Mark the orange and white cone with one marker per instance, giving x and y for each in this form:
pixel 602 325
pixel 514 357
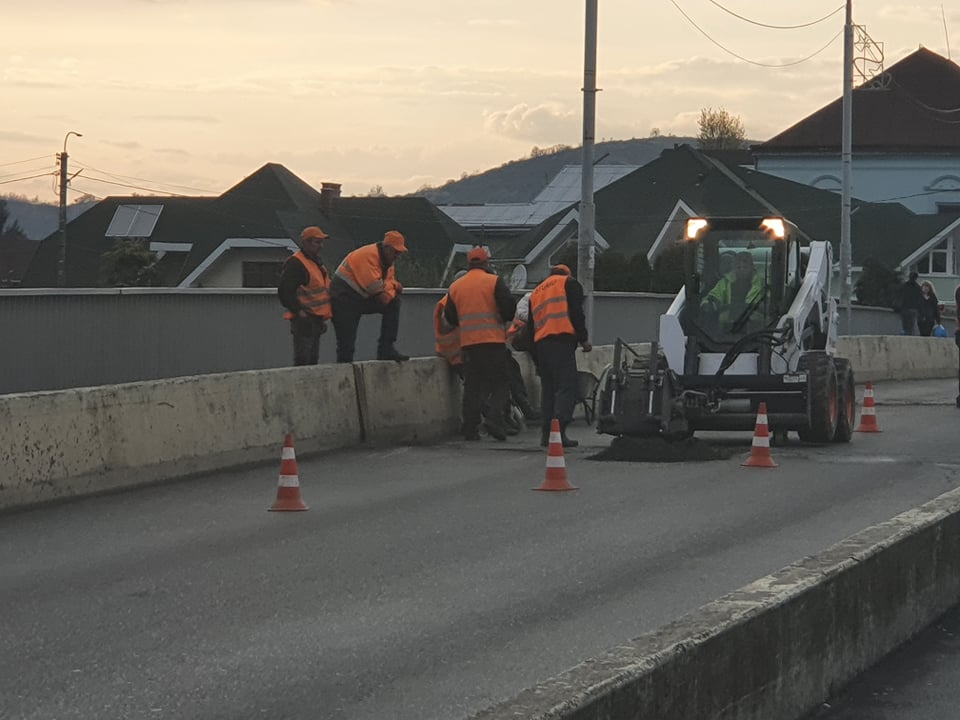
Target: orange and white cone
pixel 555 478
pixel 760 447
pixel 288 486
pixel 868 413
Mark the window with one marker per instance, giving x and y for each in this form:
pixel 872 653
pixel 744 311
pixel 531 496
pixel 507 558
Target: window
pixel 939 261
pixel 134 221
pixel 261 274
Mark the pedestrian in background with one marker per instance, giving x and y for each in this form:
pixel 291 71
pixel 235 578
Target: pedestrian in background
pixel 366 284
pixel 304 291
pixel 559 325
pixel 481 305
pixel 910 299
pixel 928 314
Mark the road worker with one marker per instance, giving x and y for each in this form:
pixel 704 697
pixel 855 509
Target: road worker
pixel 447 337
pixel 481 305
pixel 304 291
pixel 364 284
pixel 559 325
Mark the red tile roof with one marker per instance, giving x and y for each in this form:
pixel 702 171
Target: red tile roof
pixel 914 106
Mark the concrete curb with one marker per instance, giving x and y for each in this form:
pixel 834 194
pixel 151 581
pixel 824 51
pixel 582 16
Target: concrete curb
pixel 778 646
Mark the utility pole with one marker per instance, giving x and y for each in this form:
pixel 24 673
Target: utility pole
pixel 585 243
pixel 846 158
pixel 62 260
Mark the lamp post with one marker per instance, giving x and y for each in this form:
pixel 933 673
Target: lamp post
pixel 585 240
pixel 62 262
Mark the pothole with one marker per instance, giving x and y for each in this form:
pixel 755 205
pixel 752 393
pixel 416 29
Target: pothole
pixel 657 449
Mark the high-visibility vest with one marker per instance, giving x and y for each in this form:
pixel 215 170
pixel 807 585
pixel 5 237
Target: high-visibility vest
pixel 362 270
pixel 447 338
pixel 315 295
pixel 475 298
pixel 721 296
pixel 548 308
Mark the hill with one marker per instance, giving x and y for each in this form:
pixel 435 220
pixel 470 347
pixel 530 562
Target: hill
pixel 38 220
pixel 519 181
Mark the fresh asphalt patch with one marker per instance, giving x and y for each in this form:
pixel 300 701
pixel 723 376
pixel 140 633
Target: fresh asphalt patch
pixel 658 449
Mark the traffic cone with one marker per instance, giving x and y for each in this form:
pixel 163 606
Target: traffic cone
pixel 760 447
pixel 288 487
pixel 555 479
pixel 868 414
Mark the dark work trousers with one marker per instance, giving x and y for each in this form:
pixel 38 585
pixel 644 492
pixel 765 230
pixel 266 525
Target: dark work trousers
pixel 908 322
pixel 486 384
pixel 518 388
pixel 306 334
pixel 557 360
pixel 347 311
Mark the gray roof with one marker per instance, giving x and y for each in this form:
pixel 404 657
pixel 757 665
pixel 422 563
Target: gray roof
pixel 562 192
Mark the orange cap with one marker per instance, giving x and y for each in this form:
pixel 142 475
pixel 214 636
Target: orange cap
pixel 561 270
pixel 395 240
pixel 477 256
pixel 313 232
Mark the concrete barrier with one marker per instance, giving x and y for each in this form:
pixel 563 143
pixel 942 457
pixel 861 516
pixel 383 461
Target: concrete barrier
pixel 779 646
pixel 67 443
pixel 76 442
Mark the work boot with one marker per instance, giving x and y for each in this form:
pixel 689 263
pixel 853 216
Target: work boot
pixel 391 353
pixel 495 430
pixel 567 442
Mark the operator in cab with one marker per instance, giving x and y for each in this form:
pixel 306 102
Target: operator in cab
pixel 735 295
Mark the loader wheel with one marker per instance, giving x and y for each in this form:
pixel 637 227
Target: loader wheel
pixel 822 405
pixel 847 394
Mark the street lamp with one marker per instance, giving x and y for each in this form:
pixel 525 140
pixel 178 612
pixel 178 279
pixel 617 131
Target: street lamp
pixel 62 262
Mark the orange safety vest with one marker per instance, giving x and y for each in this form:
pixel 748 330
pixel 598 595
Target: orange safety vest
pixel 548 308
pixel 315 295
pixel 362 271
pixel 447 338
pixel 474 296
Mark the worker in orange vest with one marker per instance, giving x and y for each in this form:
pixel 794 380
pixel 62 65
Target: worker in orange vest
pixel 304 291
pixel 364 284
pixel 447 337
pixel 481 305
pixel 559 325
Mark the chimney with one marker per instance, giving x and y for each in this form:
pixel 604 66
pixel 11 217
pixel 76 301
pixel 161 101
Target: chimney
pixel 328 191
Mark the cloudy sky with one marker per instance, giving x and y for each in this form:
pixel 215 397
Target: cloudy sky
pixel 190 96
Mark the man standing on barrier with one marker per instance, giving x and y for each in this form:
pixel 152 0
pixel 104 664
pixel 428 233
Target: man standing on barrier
pixel 304 291
pixel 559 325
pixel 365 284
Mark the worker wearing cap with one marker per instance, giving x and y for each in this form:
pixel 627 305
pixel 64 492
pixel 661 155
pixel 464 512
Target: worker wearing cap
pixel 365 284
pixel 559 325
pixel 304 291
pixel 481 305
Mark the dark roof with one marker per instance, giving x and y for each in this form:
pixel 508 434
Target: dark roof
pixel 270 203
pixel 631 212
pixel 912 106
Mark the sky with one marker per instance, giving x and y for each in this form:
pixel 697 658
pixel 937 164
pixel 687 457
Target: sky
pixel 190 96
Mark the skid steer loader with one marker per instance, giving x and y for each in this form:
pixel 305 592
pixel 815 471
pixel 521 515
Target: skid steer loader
pixel 718 357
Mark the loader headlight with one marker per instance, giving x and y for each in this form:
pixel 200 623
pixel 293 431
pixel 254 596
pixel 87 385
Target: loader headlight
pixel 773 225
pixel 694 227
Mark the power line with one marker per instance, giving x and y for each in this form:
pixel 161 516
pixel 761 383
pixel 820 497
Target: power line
pixel 138 179
pixel 133 187
pixel 778 27
pixel 748 60
pixel 20 172
pixel 20 162
pixel 29 177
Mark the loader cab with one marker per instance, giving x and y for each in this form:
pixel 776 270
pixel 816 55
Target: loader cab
pixel 740 275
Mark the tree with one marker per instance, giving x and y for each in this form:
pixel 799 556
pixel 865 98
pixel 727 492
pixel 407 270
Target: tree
pixel 667 274
pixel 376 191
pixel 878 285
pixel 719 130
pixel 128 264
pixel 612 271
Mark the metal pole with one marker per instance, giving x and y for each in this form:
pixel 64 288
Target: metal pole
pixel 62 261
pixel 846 162
pixel 585 245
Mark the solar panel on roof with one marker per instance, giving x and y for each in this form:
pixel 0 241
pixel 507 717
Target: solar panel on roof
pixel 134 221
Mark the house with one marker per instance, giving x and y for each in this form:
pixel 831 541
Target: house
pixel 645 211
pixel 242 237
pixel 906 138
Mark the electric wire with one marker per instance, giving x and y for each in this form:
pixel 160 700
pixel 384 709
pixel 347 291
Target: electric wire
pixel 117 176
pixel 20 162
pixel 29 177
pixel 22 172
pixel 778 27
pixel 748 60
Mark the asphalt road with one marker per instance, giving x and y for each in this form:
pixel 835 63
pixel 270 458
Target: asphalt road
pixel 425 582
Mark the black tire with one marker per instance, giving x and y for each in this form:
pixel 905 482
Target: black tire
pixel 847 395
pixel 822 405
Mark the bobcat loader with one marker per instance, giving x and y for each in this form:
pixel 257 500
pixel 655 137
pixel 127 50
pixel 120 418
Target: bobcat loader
pixel 712 366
